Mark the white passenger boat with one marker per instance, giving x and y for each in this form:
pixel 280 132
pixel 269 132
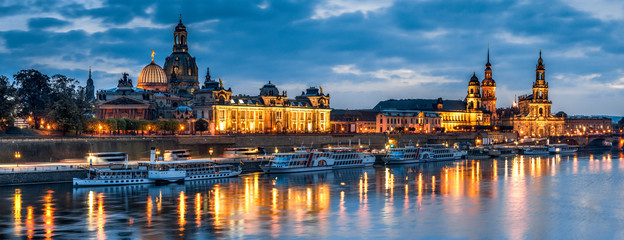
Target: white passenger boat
pixel 426 153
pixel 440 152
pixel 409 154
pixel 561 149
pixel 345 157
pixel 537 150
pixel 177 165
pixel 298 162
pixel 106 177
pixel 118 172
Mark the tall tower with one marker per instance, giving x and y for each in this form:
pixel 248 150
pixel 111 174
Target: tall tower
pixel 180 66
pixel 488 88
pixel 473 99
pixel 540 105
pixel 90 88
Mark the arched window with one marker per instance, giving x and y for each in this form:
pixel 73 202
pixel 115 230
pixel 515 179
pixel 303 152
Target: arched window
pixel 183 40
pixel 471 91
pixel 541 111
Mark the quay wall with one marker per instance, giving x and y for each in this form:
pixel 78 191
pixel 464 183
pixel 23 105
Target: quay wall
pixel 38 177
pixel 56 149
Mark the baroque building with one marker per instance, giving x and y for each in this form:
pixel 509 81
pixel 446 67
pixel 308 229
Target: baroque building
pixel 180 67
pixel 125 101
pixel 488 90
pixel 268 112
pixel 534 117
pixel 174 92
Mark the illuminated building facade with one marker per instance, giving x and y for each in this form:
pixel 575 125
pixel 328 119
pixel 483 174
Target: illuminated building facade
pixel 455 115
pixel 269 112
pixel 353 121
pixel 125 101
pixel 488 90
pixel 583 125
pixel 534 118
pixel 408 121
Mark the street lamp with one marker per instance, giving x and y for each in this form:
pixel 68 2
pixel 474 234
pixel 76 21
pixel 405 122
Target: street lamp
pixel 100 127
pixel 18 155
pixel 210 151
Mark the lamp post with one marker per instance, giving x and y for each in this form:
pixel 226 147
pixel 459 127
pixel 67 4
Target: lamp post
pixel 18 155
pixel 210 151
pixel 100 127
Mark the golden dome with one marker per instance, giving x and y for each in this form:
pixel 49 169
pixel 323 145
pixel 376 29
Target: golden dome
pixel 153 78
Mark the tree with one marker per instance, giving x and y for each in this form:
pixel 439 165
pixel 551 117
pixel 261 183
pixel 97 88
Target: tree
pixel 122 125
pixel 111 124
pixel 33 94
pixel 7 102
pixel 143 125
pixel 172 126
pixel 201 125
pixel 65 113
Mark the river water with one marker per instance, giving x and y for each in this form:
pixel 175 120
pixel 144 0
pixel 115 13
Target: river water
pixel 556 197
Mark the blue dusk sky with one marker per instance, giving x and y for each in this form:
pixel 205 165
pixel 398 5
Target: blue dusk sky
pixel 359 51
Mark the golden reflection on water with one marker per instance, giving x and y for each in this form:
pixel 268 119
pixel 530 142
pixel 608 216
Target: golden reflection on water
pixel 101 217
pixel 256 203
pixel 17 211
pixel 48 217
pixel 182 211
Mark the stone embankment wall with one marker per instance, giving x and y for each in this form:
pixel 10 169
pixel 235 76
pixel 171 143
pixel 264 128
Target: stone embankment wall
pixel 20 178
pixel 56 149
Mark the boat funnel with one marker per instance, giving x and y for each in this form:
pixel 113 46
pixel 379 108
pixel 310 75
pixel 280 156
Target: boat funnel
pixel 153 154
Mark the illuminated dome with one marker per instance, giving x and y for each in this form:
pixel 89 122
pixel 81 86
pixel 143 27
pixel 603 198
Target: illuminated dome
pixel 153 78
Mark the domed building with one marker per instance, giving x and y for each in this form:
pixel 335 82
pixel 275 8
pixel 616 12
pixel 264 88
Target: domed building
pixel 180 67
pixel 153 78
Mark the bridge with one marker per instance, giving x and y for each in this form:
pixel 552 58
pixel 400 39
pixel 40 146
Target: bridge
pixel 590 140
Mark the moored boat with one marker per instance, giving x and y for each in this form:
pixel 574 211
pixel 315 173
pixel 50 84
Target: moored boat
pixel 561 149
pixel 298 162
pixel 345 157
pixel 409 154
pixel 536 150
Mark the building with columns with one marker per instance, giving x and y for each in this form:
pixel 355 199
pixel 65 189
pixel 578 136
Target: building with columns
pixel 269 112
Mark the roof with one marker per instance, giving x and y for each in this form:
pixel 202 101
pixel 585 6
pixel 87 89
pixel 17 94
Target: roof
pixel 123 100
pixel 420 104
pixel 353 115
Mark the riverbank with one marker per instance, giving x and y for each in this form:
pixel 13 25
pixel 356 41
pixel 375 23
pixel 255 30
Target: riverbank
pixel 43 149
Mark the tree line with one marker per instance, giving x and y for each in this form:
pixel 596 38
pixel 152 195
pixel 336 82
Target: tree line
pixel 43 99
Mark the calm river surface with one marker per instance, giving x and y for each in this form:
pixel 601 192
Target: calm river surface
pixel 554 197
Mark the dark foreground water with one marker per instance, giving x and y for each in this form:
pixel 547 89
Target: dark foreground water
pixel 516 198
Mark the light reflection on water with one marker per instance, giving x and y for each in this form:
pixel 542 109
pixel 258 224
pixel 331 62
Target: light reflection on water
pixel 521 197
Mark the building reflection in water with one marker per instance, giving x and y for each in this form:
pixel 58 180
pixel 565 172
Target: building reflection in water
pixel 306 204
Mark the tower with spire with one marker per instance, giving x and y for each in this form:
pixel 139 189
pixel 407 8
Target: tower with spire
pixel 535 118
pixel 473 99
pixel 90 88
pixel 180 66
pixel 488 88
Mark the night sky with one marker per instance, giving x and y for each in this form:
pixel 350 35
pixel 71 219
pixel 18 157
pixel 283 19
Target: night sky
pixel 361 52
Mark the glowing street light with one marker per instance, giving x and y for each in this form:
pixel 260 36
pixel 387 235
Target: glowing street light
pixel 210 151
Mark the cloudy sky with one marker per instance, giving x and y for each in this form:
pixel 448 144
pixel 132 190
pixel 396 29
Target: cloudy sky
pixel 360 51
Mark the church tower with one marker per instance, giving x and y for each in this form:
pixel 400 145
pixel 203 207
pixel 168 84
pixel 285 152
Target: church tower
pixel 180 66
pixel 90 88
pixel 473 99
pixel 540 105
pixel 488 88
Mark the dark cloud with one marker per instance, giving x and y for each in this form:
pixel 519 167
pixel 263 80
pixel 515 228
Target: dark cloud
pixel 43 23
pixel 250 42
